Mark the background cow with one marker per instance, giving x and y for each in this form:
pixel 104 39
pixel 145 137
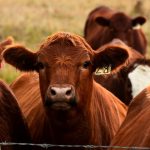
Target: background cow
pixel 119 82
pixel 72 107
pixel 135 130
pixel 104 24
pixel 137 78
pixel 13 127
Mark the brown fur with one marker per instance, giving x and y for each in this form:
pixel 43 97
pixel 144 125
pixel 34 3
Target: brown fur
pixel 104 24
pixel 61 61
pixel 118 82
pixel 13 127
pixel 8 41
pixel 4 44
pixel 135 130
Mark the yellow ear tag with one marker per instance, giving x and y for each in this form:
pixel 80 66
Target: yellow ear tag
pixel 137 27
pixel 103 70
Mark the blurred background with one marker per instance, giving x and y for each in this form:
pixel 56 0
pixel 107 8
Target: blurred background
pixel 31 21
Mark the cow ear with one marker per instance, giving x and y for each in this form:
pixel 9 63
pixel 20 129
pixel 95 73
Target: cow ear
pixel 138 20
pixel 102 21
pixel 113 55
pixel 21 58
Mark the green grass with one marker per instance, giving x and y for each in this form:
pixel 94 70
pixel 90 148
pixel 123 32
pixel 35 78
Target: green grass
pixel 31 21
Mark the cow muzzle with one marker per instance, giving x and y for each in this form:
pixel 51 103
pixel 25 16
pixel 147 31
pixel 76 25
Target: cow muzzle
pixel 60 97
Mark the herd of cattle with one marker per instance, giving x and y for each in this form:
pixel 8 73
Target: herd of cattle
pixel 60 100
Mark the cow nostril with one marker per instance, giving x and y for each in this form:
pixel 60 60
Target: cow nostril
pixel 68 92
pixel 53 92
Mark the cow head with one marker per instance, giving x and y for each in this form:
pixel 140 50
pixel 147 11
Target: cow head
pixel 65 64
pixel 120 25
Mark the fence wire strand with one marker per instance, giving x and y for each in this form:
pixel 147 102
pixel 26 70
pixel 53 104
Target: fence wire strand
pixel 46 146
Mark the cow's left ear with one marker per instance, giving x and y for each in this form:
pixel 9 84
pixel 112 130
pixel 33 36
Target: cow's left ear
pixel 21 58
pixel 113 55
pixel 138 20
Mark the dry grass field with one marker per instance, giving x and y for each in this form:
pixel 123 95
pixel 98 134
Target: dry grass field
pixel 31 21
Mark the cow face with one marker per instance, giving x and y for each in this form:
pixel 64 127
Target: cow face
pixel 66 70
pixel 65 64
pixel 120 25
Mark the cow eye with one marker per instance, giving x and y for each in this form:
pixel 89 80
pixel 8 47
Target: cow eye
pixel 86 64
pixel 40 66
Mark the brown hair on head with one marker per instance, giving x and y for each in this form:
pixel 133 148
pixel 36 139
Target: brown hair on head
pixel 66 38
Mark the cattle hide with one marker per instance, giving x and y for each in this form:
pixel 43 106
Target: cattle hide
pixel 13 127
pixel 135 130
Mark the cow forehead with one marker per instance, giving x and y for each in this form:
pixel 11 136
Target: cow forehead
pixel 120 20
pixel 64 48
pixel 120 17
pixel 62 54
pixel 65 41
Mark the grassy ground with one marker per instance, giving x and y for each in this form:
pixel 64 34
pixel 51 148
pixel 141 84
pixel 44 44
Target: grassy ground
pixel 31 21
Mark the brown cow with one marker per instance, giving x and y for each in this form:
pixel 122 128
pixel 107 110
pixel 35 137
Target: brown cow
pixel 72 108
pixel 119 83
pixel 135 130
pixel 13 127
pixel 104 24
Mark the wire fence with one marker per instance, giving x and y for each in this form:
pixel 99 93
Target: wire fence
pixel 46 146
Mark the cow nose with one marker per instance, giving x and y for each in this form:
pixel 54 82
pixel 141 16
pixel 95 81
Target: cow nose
pixel 61 94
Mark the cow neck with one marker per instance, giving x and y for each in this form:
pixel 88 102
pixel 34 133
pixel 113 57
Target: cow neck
pixel 107 110
pixel 69 131
pixel 60 128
